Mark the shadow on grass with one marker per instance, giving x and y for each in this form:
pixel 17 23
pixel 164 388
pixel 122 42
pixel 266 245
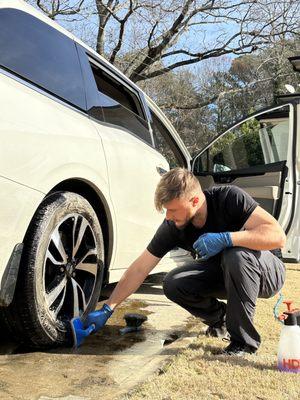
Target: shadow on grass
pixel 211 353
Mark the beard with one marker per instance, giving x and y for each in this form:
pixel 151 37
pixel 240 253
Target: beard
pixel 183 225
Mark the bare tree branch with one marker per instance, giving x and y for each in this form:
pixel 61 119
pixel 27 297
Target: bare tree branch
pixel 218 97
pixel 153 52
pixel 56 9
pixel 248 41
pixel 103 16
pixel 121 32
pixel 246 49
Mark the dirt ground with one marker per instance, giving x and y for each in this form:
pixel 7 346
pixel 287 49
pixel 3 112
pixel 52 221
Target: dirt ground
pixel 108 364
pixel 169 359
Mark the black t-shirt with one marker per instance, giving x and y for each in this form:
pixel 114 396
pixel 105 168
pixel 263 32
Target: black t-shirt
pixel 228 208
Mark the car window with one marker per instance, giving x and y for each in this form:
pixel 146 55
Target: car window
pixel 163 142
pixel 120 105
pixel 118 92
pixel 258 141
pixel 40 54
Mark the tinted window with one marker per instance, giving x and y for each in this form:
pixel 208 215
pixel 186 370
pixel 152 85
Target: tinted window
pixel 120 106
pixel 93 100
pixel 118 92
pixel 164 144
pixel 41 55
pixel 258 141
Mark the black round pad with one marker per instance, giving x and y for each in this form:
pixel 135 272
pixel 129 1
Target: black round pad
pixel 135 320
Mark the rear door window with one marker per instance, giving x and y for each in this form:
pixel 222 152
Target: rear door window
pixel 164 144
pixel 41 55
pixel 121 105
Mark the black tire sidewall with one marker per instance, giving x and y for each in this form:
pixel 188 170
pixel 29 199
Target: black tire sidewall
pixel 35 315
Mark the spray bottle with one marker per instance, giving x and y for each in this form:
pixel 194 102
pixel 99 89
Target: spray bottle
pixel 289 343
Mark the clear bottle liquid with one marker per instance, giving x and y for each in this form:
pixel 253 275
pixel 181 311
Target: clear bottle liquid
pixel 289 343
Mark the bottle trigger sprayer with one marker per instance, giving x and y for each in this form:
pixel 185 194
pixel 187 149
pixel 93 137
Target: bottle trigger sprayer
pixel 289 342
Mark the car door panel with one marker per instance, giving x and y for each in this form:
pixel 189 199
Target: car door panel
pixel 133 176
pixel 264 186
pixel 266 196
pixel 256 155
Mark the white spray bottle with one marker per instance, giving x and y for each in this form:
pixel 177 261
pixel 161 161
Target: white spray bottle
pixel 289 343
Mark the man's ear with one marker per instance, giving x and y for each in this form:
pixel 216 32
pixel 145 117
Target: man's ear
pixel 195 201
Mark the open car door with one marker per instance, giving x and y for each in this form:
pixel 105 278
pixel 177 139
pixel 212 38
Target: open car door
pixel 259 155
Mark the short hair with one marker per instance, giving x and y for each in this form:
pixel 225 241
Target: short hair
pixel 177 183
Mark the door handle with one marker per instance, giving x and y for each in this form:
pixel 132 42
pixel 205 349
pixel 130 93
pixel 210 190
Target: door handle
pixel 161 170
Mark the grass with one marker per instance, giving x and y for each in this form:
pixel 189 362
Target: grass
pixel 196 373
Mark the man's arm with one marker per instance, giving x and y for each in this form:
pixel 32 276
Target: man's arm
pixel 132 278
pixel 262 232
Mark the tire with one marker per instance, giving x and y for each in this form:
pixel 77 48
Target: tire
pixel 61 271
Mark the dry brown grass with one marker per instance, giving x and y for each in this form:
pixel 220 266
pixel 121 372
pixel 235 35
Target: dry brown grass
pixel 197 373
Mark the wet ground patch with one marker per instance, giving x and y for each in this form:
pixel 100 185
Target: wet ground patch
pixel 107 365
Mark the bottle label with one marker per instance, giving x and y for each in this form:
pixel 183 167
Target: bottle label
pixel 289 365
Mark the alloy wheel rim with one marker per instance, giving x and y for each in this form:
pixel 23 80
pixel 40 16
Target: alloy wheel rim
pixel 71 268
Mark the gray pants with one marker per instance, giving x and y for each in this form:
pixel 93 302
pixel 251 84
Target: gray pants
pixel 239 275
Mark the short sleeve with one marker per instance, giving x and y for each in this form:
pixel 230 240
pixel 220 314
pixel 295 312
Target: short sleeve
pixel 163 241
pixel 239 205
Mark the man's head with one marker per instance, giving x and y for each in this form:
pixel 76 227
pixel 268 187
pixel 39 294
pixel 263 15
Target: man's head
pixel 179 192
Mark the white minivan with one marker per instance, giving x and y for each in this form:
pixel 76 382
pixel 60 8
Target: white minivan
pixel 82 150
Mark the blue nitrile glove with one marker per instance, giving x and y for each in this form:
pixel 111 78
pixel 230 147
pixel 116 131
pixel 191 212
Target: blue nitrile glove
pixel 210 244
pixel 98 317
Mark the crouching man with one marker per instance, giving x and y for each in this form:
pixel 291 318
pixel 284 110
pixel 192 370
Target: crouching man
pixel 232 237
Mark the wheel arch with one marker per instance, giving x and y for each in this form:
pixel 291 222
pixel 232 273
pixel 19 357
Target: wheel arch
pixel 97 200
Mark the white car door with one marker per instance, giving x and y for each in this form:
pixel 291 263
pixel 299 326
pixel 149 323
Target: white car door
pixel 168 143
pixel 138 146
pixel 133 170
pixel 134 166
pixel 259 154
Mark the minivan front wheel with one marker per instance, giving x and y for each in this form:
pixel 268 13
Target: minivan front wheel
pixel 61 270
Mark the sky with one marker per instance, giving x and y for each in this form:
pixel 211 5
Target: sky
pixel 212 32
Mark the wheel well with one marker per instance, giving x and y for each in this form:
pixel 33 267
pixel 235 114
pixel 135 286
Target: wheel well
pixel 85 190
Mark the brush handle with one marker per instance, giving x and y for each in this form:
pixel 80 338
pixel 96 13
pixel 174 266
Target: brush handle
pixel 129 329
pixel 98 318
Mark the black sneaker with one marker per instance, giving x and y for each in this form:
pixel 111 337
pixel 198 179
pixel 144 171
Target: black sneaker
pixel 238 349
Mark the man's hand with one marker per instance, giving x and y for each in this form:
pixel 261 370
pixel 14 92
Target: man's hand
pixel 210 244
pixel 98 318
